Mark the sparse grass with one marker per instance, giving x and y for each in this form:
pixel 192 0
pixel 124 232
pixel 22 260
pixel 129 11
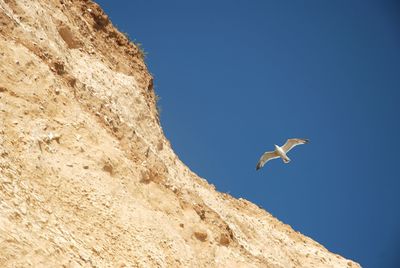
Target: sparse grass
pixel 141 50
pixel 126 35
pixel 158 106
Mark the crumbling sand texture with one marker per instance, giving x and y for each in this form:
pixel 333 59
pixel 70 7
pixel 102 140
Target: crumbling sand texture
pixel 87 177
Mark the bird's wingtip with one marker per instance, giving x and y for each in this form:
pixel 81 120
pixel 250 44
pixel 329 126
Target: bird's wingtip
pixel 306 140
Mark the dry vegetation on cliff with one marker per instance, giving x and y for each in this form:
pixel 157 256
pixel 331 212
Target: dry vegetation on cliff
pixel 87 177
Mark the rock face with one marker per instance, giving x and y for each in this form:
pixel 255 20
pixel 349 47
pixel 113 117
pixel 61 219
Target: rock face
pixel 87 177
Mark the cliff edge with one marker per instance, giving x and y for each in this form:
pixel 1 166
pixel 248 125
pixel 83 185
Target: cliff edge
pixel 87 177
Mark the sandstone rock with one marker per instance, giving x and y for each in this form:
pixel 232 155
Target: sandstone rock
pixel 201 235
pixel 68 36
pixel 224 240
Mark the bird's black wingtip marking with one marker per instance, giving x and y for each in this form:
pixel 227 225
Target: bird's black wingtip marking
pixel 306 140
pixel 258 166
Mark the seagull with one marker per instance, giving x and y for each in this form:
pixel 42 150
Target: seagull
pixel 280 152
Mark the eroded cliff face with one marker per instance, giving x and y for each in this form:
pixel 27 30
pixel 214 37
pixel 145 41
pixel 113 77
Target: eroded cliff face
pixel 87 177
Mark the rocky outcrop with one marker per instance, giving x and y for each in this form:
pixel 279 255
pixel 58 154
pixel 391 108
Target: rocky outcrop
pixel 87 177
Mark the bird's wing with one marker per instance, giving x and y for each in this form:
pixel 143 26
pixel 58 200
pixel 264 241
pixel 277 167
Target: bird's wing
pixel 265 158
pixel 290 143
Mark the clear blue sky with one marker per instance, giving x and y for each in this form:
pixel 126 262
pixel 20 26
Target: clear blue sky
pixel 236 77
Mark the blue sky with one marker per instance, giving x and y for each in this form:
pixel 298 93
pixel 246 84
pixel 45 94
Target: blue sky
pixel 236 77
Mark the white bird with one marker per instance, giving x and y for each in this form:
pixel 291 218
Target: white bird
pixel 280 152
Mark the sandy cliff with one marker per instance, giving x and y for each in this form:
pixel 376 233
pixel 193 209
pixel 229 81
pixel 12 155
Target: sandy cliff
pixel 87 177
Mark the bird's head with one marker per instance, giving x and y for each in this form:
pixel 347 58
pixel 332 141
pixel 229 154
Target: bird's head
pixel 276 147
